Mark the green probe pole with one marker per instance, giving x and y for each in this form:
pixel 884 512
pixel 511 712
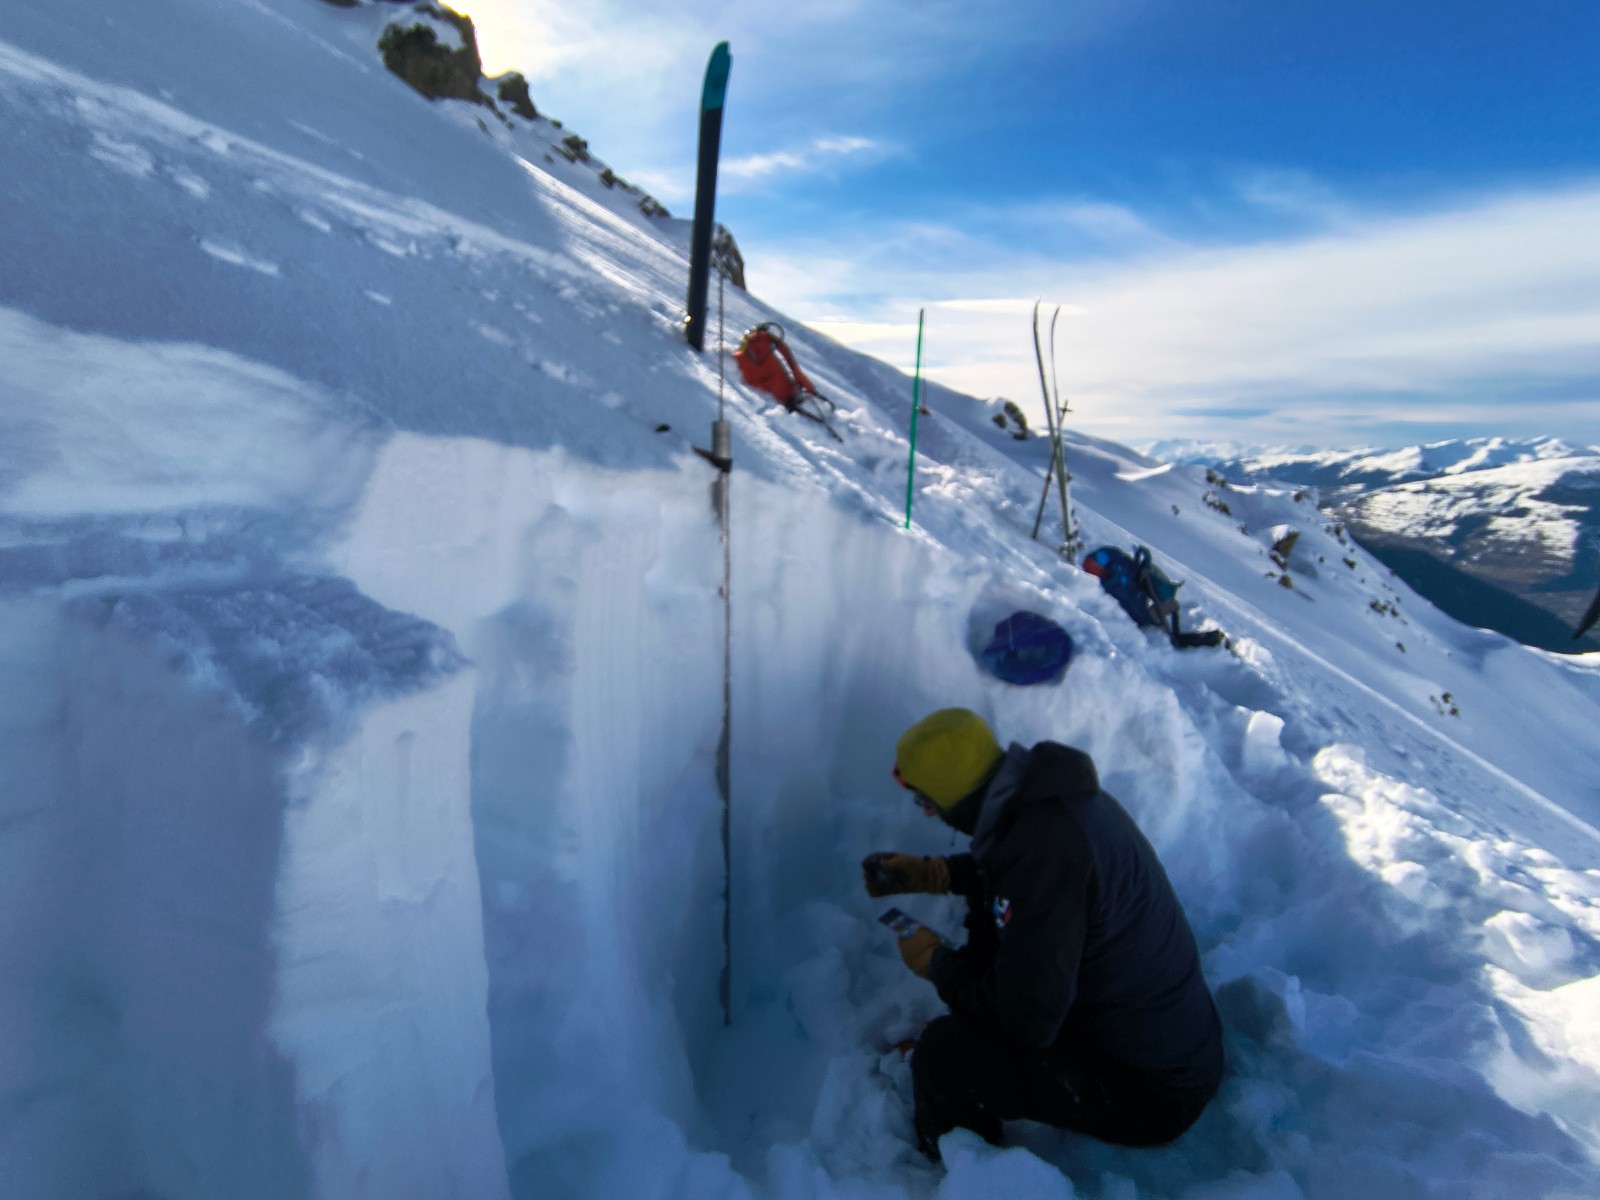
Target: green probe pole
pixel 916 407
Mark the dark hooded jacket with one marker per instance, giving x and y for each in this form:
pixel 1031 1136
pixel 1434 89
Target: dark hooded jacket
pixel 1076 940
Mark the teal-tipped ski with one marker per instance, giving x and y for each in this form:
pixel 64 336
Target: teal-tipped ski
pixel 713 93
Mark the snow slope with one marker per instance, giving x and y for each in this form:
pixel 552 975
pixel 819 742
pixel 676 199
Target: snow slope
pixel 1335 471
pixel 1509 501
pixel 362 650
pixel 1500 533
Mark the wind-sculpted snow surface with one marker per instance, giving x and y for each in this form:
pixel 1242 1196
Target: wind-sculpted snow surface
pixel 361 686
pixel 293 656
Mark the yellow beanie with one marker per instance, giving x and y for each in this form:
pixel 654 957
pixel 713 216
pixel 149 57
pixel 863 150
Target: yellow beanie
pixel 947 754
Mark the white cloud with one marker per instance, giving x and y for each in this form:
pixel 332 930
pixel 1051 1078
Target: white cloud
pixel 815 156
pixel 865 333
pixel 1294 194
pixel 1495 304
pixel 1006 306
pixel 670 186
pixel 626 73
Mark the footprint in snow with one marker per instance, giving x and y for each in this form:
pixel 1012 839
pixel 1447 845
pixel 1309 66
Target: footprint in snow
pixel 190 182
pixel 394 248
pixel 129 157
pixel 560 372
pixel 313 133
pixel 232 253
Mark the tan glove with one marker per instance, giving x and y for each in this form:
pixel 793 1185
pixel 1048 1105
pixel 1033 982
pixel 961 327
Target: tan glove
pixel 890 874
pixel 917 951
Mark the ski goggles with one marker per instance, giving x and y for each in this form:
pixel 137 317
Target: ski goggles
pixel 928 807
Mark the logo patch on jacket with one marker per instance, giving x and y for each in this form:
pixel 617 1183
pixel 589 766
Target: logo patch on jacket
pixel 1002 912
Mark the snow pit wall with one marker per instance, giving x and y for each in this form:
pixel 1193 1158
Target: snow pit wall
pixel 509 884
pixel 208 932
pixel 589 602
pixel 139 972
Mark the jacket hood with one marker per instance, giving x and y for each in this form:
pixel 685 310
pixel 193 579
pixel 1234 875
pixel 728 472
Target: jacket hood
pixel 1016 786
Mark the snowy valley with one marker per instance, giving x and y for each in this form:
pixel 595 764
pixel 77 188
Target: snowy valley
pixel 1499 533
pixel 362 661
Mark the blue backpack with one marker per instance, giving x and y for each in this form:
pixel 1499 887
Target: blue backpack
pixel 1136 583
pixel 1146 594
pixel 1027 648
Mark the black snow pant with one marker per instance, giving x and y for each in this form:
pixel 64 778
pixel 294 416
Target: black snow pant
pixel 963 1073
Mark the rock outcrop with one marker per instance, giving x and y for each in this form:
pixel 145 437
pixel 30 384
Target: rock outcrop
pixel 431 65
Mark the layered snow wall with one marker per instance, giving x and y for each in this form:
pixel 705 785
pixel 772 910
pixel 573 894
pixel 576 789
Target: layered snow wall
pixel 590 603
pixel 243 944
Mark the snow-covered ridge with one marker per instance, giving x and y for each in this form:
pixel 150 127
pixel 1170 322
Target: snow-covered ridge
pixel 1367 466
pixel 1501 533
pixel 361 638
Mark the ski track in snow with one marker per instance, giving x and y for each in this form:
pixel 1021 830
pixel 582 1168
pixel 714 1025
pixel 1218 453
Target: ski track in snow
pixel 372 698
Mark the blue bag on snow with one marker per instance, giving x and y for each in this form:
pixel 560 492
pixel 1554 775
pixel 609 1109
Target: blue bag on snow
pixel 1136 583
pixel 1027 648
pixel 1146 594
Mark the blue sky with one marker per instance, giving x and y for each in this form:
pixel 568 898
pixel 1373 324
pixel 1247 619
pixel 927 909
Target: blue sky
pixel 1276 222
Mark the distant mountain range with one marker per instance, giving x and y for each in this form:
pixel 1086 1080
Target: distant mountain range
pixel 1497 532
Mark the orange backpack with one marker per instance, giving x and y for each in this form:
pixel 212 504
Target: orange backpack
pixel 766 362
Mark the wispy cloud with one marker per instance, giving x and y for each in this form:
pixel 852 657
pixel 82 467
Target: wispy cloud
pixel 626 73
pixel 674 187
pixel 1296 195
pixel 1485 312
pixel 820 154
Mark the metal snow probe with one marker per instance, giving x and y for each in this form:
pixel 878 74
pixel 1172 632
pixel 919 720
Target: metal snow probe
pixel 713 93
pixel 722 458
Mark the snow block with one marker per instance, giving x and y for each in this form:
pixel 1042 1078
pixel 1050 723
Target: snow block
pixel 245 853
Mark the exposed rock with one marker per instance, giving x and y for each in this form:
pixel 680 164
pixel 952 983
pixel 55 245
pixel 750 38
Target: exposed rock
pixel 1012 419
pixel 512 88
pixel 1284 538
pixel 438 71
pixel 424 54
pixel 574 148
pixel 725 251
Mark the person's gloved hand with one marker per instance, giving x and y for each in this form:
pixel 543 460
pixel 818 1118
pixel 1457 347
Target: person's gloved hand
pixel 890 874
pixel 917 951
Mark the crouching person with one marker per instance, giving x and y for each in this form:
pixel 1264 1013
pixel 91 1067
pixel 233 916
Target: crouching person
pixel 1077 999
